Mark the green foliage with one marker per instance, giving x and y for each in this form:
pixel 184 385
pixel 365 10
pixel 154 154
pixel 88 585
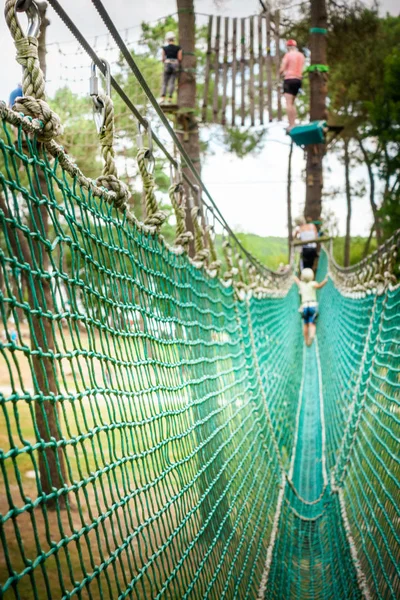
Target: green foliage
pixel 364 91
pixel 244 142
pixel 357 249
pixel 271 250
pixel 153 36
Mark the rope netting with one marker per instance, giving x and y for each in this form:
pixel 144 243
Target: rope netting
pixel 163 432
pixel 137 459
pixel 338 534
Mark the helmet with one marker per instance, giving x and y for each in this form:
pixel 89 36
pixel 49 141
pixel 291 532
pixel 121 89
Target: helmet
pixel 170 36
pixel 307 275
pixel 291 43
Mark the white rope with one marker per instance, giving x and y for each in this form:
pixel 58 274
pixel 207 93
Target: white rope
pixel 274 532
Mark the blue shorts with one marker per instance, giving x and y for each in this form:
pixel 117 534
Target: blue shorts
pixel 310 314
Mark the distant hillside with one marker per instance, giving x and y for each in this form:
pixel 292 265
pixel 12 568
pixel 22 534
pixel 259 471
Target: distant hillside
pixel 273 250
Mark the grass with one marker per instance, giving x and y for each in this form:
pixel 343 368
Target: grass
pixel 272 251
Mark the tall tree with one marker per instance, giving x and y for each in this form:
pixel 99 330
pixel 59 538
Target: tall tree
pixel 318 92
pixel 347 238
pixel 53 473
pixel 289 201
pixel 188 126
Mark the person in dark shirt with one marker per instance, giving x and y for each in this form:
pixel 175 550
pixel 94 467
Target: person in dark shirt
pixel 171 57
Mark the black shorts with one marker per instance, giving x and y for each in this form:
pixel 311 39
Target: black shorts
pixel 291 86
pixel 309 255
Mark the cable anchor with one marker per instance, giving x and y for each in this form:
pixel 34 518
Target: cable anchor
pixel 99 113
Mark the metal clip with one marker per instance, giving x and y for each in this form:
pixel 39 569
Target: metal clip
pixel 176 171
pixel 199 196
pixel 32 12
pixel 99 114
pixel 149 153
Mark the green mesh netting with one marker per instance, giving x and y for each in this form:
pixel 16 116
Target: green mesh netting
pixel 137 456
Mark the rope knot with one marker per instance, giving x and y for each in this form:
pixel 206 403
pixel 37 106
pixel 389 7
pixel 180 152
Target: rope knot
pixel 155 216
pixel 178 201
pixel 184 239
pixel 39 109
pixel 27 47
pixel 156 219
pixel 112 183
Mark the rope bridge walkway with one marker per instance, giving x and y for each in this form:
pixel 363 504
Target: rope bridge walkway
pixel 163 432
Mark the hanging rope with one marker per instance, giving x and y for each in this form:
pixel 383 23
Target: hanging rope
pixel 155 217
pixel 33 103
pixel 178 201
pixel 109 178
pixel 231 269
pixel 201 252
pixel 215 263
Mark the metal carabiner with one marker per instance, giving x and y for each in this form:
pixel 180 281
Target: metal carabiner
pixel 31 9
pixel 199 197
pixel 176 171
pixel 149 153
pixel 99 114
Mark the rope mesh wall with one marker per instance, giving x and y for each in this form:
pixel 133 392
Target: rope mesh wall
pixel 138 368
pixel 137 458
pixel 362 398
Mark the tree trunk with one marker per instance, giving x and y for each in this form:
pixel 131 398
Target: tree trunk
pixel 188 124
pixel 374 208
pixel 368 242
pixel 53 474
pixel 289 201
pixel 318 92
pixel 348 201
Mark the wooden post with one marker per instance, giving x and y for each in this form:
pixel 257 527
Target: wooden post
pixel 225 72
pixel 188 132
pixel 234 68
pixel 289 201
pixel 269 67
pixel 260 69
pixel 52 467
pixel 278 65
pixel 242 70
pixel 318 92
pixel 216 69
pixel 251 63
pixel 347 238
pixel 207 71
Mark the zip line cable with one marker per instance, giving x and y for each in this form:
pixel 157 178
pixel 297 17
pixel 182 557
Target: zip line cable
pixel 136 71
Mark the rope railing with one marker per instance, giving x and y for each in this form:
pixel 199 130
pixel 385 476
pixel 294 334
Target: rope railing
pixel 209 203
pixel 370 272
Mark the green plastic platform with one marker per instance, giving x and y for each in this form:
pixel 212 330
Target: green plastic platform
pixel 312 133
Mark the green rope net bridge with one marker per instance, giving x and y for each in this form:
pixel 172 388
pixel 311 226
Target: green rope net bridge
pixel 163 431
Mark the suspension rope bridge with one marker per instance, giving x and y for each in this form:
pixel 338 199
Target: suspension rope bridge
pixel 164 433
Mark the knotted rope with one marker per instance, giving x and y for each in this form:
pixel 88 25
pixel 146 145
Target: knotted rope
pixel 178 201
pixel 109 177
pixel 202 253
pixel 231 270
pixel 33 83
pixel 33 103
pixel 240 284
pixel 215 263
pixel 155 217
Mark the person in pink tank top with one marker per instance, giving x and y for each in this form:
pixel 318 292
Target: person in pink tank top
pixel 292 71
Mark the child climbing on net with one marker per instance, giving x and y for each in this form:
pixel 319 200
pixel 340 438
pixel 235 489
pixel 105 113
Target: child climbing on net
pixel 309 305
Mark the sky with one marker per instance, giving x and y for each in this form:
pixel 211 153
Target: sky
pixel 250 192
